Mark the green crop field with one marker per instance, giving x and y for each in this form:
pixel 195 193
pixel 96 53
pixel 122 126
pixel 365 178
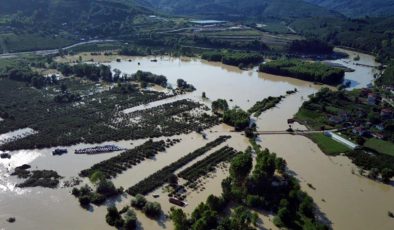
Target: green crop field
pixel 328 145
pixel 380 146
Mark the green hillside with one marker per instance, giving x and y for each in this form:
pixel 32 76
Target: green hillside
pixel 45 24
pixel 358 8
pixel 373 35
pixel 93 17
pixel 239 9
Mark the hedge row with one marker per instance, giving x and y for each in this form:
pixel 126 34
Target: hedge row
pixel 208 164
pixel 126 160
pixel 160 177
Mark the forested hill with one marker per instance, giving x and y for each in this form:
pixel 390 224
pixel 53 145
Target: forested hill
pixel 85 16
pixel 358 8
pixel 239 9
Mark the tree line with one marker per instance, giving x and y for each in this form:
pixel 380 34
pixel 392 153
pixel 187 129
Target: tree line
pixel 314 72
pixel 240 59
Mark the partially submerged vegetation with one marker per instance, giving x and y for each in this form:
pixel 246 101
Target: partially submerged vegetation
pixel 239 59
pixel 151 209
pixel 265 105
pixel 96 118
pixel 265 186
pixel 237 118
pixel 362 117
pixel 36 178
pixel 308 71
pixel 162 176
pixel 82 114
pixel 207 165
pixel 116 165
pixel 104 189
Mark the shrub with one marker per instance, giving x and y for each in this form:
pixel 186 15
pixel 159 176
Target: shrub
pixel 152 209
pixel 106 188
pixel 139 201
pixel 113 217
pixel 130 222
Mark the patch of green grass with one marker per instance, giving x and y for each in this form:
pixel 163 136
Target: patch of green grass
pixel 328 145
pixel 312 119
pixel 381 146
pixel 248 32
pixel 305 114
pixel 97 47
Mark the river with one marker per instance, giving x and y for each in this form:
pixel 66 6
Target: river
pixel 348 200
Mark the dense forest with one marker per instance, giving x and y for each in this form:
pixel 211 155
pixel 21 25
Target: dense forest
pixel 310 46
pixel 96 18
pixel 358 8
pixel 373 35
pixel 239 9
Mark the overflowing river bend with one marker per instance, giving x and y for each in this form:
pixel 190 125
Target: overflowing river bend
pixel 348 200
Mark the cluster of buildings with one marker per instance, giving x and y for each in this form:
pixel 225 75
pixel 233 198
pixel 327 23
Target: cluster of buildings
pixel 366 122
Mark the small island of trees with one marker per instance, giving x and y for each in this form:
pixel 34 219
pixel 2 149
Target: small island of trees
pixel 308 71
pixel 240 59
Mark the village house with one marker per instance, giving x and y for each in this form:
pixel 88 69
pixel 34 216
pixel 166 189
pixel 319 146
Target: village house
pixel 386 113
pixel 379 136
pixel 361 114
pixel 379 127
pixel 340 118
pixel 360 131
pixel 335 120
pixel 371 99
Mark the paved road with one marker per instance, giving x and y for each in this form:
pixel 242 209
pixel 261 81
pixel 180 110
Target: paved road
pixel 51 51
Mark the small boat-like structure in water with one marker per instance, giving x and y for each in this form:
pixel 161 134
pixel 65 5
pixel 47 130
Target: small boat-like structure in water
pixel 98 149
pixel 59 152
pixel 178 202
pixel 5 156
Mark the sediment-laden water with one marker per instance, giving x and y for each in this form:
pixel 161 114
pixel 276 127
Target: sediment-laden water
pixel 348 200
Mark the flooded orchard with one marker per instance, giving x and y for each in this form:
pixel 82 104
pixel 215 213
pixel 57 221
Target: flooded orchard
pixel 349 201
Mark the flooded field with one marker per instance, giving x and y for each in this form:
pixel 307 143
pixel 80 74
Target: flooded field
pixel 14 135
pixel 348 200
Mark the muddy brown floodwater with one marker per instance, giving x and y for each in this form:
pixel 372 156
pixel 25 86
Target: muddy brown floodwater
pixel 348 200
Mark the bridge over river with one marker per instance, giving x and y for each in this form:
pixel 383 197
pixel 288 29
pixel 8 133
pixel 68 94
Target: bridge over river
pixel 294 132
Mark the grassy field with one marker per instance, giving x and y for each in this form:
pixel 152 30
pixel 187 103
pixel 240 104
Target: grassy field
pixel 29 42
pixel 275 27
pixel 381 146
pixel 97 47
pixel 328 145
pixel 247 32
pixel 311 119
